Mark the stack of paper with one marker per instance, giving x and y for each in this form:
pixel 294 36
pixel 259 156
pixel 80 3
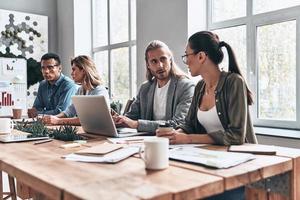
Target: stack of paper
pixel 212 158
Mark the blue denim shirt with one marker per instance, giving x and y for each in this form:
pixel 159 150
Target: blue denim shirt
pixel 53 99
pixel 100 90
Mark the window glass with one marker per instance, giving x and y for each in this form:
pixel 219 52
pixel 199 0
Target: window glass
pixel 101 61
pixel 133 19
pixel 236 38
pixel 120 72
pixel 118 21
pixel 228 9
pixel 261 6
pixel 276 53
pixel 100 32
pixel 134 72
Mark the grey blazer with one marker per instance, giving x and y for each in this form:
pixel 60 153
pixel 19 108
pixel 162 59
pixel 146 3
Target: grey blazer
pixel 179 98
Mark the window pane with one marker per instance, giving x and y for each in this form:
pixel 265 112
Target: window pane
pixel 228 9
pixel 118 21
pixel 120 74
pixel 261 6
pixel 133 19
pixel 100 33
pixel 133 62
pixel 101 61
pixel 276 45
pixel 236 38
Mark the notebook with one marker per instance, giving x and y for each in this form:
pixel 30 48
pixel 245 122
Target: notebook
pixel 99 150
pixel 19 138
pixel 94 116
pixel 112 157
pixel 253 148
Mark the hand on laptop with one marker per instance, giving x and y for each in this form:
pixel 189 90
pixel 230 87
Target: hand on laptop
pixel 123 121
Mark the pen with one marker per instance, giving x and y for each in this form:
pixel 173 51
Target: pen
pixel 130 141
pixel 43 141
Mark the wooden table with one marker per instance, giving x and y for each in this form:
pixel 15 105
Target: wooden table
pixel 42 168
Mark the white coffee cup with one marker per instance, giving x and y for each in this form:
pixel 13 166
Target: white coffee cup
pixel 6 125
pixel 156 154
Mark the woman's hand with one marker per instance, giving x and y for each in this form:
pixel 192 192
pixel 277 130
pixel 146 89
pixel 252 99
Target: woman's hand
pixel 174 136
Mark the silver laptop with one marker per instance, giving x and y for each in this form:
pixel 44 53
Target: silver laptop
pixel 18 138
pixel 94 116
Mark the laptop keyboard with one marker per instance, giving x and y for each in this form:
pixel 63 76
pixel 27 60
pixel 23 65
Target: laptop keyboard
pixel 14 137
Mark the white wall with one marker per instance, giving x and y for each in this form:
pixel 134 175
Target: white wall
pixel 74 30
pixel 40 7
pixel 65 24
pixel 161 20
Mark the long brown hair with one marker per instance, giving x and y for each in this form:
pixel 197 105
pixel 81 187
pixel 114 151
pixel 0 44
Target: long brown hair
pixel 92 78
pixel 175 71
pixel 209 43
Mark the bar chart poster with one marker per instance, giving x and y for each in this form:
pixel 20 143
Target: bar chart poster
pixel 6 99
pixel 13 85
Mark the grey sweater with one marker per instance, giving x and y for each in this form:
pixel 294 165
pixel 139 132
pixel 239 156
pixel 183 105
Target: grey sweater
pixel 232 109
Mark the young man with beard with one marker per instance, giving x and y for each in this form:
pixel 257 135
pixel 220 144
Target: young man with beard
pixel 164 97
pixel 55 91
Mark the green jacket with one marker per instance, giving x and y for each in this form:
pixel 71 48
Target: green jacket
pixel 232 109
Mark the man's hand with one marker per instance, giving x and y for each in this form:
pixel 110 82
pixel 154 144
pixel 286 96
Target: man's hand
pixel 121 120
pixel 50 119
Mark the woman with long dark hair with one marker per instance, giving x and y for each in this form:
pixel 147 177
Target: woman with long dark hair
pixel 219 113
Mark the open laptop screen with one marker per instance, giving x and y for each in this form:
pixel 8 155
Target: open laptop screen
pixel 94 115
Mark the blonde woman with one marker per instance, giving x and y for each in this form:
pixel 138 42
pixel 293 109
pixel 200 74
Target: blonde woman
pixel 84 73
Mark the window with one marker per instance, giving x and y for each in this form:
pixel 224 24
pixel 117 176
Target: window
pixel 264 37
pixel 114 46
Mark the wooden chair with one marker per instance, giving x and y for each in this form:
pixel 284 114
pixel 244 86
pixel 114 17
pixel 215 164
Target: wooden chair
pixel 128 105
pixel 12 193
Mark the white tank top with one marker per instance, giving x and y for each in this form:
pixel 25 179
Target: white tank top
pixel 209 120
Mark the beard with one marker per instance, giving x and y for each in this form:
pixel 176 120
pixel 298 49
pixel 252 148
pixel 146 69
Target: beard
pixel 161 74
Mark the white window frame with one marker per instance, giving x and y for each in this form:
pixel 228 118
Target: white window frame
pixel 109 47
pixel 252 22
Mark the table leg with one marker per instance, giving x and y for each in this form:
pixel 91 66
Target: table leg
pixel 1 185
pixel 295 180
pixel 12 187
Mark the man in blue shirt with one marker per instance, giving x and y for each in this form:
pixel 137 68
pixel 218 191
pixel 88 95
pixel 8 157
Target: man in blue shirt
pixel 55 91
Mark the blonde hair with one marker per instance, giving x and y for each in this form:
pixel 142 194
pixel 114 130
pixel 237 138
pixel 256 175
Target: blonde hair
pixel 174 71
pixel 91 78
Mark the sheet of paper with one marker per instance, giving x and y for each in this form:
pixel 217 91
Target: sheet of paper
pixel 212 158
pixel 129 140
pixel 112 157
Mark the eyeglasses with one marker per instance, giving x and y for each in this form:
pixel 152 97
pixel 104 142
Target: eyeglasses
pixel 49 67
pixel 185 56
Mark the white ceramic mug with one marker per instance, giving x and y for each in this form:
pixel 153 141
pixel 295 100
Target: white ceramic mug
pixel 6 125
pixel 156 154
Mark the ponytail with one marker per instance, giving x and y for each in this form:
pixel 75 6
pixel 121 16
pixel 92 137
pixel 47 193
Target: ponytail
pixel 234 67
